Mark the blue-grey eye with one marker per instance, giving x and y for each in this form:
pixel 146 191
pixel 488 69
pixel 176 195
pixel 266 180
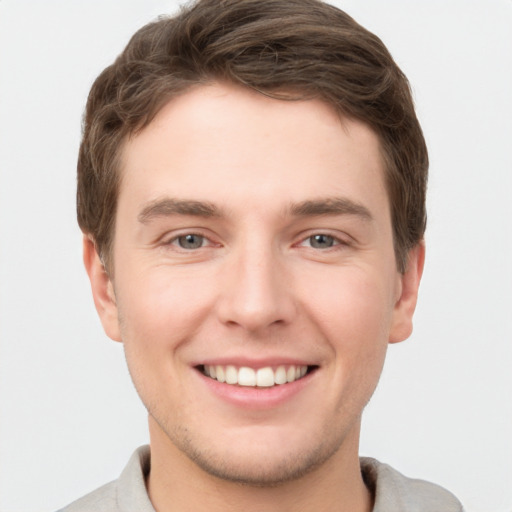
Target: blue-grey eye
pixel 190 241
pixel 321 241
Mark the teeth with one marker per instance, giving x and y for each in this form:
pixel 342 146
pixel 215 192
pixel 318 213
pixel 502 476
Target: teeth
pixel 246 377
pixel 231 375
pixel 280 375
pixel 218 373
pixel 263 377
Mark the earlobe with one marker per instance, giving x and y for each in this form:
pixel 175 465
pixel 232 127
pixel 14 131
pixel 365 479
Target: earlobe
pixel 405 305
pixel 102 289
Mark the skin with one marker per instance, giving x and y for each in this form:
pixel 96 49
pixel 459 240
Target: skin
pixel 258 289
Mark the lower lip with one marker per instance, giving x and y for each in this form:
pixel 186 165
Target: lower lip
pixel 249 397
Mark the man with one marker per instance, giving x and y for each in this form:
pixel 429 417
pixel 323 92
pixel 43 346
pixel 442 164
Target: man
pixel 251 188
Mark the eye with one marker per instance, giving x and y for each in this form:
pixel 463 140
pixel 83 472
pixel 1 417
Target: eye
pixel 321 241
pixel 190 241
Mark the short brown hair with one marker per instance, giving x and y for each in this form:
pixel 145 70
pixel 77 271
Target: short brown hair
pixel 287 49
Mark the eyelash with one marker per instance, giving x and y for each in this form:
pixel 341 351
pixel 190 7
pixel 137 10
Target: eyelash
pixel 175 241
pixel 335 241
pixel 331 238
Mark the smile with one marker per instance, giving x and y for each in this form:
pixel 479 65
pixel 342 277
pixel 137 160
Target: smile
pixel 265 377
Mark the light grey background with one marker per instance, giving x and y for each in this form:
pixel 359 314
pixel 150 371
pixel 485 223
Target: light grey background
pixel 69 417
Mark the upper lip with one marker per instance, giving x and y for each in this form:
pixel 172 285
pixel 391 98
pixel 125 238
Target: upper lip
pixel 255 362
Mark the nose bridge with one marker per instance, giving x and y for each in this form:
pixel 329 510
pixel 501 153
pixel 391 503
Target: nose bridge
pixel 256 296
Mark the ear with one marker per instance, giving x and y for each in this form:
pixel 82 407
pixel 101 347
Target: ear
pixel 102 289
pixel 401 327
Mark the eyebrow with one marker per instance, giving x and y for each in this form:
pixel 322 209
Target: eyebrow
pixel 331 206
pixel 310 208
pixel 168 206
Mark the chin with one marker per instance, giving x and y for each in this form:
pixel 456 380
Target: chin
pixel 260 463
pixel 262 471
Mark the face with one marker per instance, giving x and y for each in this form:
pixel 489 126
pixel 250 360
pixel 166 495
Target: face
pixel 254 284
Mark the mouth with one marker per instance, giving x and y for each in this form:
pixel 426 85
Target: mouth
pixel 265 377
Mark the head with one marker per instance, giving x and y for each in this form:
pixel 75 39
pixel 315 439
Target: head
pixel 266 46
pixel 252 175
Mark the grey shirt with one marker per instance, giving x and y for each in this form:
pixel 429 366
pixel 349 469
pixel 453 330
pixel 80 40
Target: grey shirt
pixel 393 492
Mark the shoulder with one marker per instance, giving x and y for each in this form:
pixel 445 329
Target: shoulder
pixel 100 500
pixel 396 492
pixel 125 494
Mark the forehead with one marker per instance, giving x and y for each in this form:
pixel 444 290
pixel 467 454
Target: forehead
pixel 229 144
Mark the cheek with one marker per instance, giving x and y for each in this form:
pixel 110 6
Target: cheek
pixel 160 308
pixel 354 316
pixel 355 310
pixel 157 316
pixel 154 322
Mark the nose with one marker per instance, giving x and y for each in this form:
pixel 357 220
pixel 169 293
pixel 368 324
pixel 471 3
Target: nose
pixel 256 291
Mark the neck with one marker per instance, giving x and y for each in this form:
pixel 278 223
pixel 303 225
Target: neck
pixel 176 483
